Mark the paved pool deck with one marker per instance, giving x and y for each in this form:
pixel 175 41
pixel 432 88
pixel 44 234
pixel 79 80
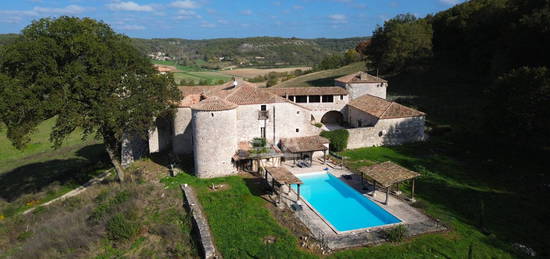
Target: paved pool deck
pixel 416 222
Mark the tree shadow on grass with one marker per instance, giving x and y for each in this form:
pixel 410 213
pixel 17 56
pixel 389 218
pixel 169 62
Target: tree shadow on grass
pixel 328 81
pixel 34 177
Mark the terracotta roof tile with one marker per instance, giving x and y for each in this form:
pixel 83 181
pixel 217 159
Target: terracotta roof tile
pixel 360 77
pixel 283 91
pixel 383 109
pixel 283 176
pixel 243 95
pixel 214 104
pixel 305 144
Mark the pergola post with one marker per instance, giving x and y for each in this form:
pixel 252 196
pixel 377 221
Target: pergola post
pixel 373 188
pixel 298 197
pixel 387 194
pixel 412 191
pixel 324 157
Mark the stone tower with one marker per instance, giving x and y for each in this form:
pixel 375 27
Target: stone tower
pixel 214 137
pixel 362 83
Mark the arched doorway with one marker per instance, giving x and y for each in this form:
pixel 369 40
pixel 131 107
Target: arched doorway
pixel 333 118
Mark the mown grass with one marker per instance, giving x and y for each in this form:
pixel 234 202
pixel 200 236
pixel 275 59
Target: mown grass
pixel 322 78
pixel 39 173
pixel 239 219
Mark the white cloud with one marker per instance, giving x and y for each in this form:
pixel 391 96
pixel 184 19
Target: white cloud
pixel 222 21
pixel 338 18
pixel 185 4
pixel 71 9
pixel 246 12
pixel 132 27
pixel 16 16
pixel 298 7
pixel 206 24
pixel 130 6
pixel 450 2
pixel 187 14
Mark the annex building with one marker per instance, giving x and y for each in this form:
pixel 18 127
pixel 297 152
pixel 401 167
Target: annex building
pixel 216 124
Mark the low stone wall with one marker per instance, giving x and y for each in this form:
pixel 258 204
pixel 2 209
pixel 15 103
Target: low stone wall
pixel 388 132
pixel 200 223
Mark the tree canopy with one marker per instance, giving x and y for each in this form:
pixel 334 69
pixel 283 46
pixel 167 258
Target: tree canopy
pixel 401 41
pixel 84 74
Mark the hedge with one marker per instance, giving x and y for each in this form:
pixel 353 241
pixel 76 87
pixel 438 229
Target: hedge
pixel 338 139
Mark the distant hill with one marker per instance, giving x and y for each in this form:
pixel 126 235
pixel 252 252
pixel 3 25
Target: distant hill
pixel 243 52
pixel 7 38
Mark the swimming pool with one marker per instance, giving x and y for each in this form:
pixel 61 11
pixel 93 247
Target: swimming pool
pixel 342 206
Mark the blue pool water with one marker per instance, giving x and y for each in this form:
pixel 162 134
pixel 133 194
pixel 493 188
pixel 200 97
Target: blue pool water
pixel 342 206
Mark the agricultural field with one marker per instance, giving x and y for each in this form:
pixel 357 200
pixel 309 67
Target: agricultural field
pixel 322 78
pixel 187 74
pixel 254 72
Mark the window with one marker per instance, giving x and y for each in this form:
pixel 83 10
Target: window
pixel 328 98
pixel 263 107
pixel 297 112
pixel 301 99
pixel 341 97
pixel 359 123
pixel 314 98
pixel 297 130
pixel 291 98
pixel 212 114
pixel 262 132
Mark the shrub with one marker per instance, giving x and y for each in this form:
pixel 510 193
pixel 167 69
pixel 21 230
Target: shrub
pixel 396 234
pixel 338 139
pixel 259 142
pixel 318 124
pixel 120 228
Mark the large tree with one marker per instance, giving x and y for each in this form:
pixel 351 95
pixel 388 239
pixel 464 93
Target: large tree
pixel 518 108
pixel 86 76
pixel 402 41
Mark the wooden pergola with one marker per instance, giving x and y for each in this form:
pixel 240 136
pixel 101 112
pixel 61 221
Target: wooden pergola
pixel 282 176
pixel 387 174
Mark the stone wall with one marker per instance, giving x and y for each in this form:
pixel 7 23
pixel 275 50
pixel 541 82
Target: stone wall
pixel 354 115
pixel 318 110
pixel 160 139
pixel 388 132
pixel 133 148
pixel 183 132
pixel 356 90
pixel 290 121
pixel 214 135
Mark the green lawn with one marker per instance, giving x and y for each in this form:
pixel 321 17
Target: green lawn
pixel 322 78
pixel 194 73
pixel 39 173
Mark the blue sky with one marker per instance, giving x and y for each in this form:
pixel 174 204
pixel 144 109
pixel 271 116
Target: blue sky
pixel 201 19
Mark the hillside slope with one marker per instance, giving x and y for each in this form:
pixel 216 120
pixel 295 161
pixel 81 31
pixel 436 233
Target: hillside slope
pixel 255 51
pixel 322 78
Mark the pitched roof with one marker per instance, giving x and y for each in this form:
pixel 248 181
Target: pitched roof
pixel 283 91
pixel 360 77
pixel 247 94
pixel 382 108
pixel 388 173
pixel 305 144
pixel 214 104
pixel 283 176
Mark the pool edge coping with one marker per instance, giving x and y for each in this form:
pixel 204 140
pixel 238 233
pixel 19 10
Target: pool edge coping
pixel 353 231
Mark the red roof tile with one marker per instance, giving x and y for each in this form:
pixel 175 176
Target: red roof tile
pixel 360 77
pixel 214 104
pixel 383 109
